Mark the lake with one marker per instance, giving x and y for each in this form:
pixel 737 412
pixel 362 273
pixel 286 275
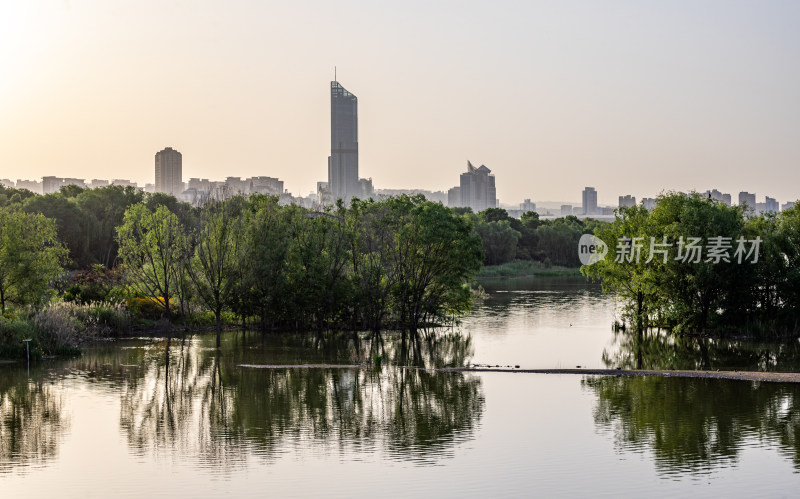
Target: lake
pixel 131 419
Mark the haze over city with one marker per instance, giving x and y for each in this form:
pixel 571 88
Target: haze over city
pixel 626 97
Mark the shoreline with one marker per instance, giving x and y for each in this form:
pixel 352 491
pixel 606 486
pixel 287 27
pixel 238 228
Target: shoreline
pixel 773 377
pixel 525 268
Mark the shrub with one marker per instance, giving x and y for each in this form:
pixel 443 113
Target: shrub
pixel 94 284
pixel 12 332
pixel 149 308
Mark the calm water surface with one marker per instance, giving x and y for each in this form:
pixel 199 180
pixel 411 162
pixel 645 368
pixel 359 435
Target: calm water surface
pixel 131 419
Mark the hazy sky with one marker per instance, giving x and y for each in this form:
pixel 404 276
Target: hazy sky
pixel 628 97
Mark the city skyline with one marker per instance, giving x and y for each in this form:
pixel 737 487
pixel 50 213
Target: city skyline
pixel 596 93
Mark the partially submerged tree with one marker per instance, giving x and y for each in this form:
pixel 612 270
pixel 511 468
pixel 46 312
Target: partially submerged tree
pixel 217 257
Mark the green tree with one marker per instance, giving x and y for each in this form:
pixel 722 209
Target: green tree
pixel 262 288
pixel 30 257
pixel 627 271
pixel 74 225
pixel 499 241
pixel 376 254
pixel 789 245
pixel 106 206
pixel 154 248
pixel 317 267
pixel 697 290
pixel 440 254
pixel 217 257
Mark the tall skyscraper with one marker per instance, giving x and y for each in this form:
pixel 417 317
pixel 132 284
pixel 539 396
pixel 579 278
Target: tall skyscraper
pixel 589 201
pixel 169 171
pixel 477 188
pixel 343 161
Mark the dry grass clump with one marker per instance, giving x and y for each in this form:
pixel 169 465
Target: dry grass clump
pixel 66 324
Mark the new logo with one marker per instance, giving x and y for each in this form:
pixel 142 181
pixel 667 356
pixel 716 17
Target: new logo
pixel 591 249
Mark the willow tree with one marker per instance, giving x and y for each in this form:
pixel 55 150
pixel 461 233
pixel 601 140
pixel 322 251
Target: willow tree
pixel 217 257
pixel 154 248
pixel 30 257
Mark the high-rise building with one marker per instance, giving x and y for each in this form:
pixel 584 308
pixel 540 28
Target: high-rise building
pixel 747 200
pixel 32 185
pixel 589 201
pixel 771 205
pixel 627 201
pixel 718 196
pixel 648 203
pixel 454 197
pixel 477 188
pixel 726 199
pixel 527 206
pixel 343 161
pixel 53 184
pixel 365 188
pixel 566 210
pixel 787 206
pixel 169 172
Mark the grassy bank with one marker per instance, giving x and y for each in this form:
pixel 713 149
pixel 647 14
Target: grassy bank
pixel 525 268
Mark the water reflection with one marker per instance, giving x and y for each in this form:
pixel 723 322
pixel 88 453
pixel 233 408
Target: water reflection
pixel 195 402
pixel 31 421
pixel 204 404
pixel 697 425
pixel 659 350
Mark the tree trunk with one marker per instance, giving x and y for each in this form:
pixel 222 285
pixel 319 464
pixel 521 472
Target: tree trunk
pixel 218 316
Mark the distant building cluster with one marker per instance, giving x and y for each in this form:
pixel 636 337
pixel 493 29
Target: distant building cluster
pixel 49 185
pixel 747 200
pixel 434 196
pixel 200 190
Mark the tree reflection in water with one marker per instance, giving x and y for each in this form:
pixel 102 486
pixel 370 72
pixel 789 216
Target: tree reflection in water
pixel 697 425
pixel 31 421
pixel 660 350
pixel 202 402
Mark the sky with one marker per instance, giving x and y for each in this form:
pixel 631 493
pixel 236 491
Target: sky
pixel 629 97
